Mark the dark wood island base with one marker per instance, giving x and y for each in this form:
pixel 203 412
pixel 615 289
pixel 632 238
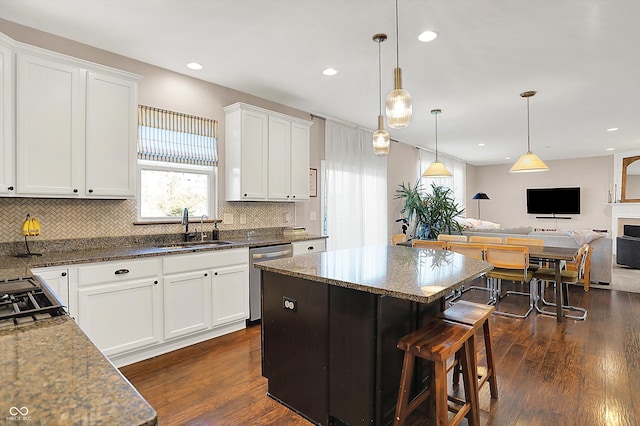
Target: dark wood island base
pixel 329 351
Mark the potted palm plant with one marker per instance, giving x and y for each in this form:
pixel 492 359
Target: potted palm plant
pixel 431 212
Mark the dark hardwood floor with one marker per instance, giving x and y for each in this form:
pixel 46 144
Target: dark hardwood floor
pixel 574 373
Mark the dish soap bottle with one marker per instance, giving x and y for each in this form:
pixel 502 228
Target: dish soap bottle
pixel 215 234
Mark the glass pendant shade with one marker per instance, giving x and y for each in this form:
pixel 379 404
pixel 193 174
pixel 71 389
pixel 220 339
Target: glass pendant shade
pixel 436 169
pixel 381 140
pixel 529 162
pixel 398 105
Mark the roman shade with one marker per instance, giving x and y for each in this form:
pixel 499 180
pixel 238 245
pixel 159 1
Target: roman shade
pixel 176 138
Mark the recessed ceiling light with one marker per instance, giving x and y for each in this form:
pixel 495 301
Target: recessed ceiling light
pixel 428 36
pixel 612 129
pixel 194 66
pixel 507 158
pixel 610 149
pixel 329 71
pixel 480 144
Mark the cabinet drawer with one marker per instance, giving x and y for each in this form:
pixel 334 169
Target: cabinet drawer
pixel 311 246
pixel 207 260
pixel 110 272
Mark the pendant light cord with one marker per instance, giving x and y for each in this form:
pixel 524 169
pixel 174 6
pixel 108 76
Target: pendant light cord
pixel 528 131
pixel 436 137
pixel 379 80
pixel 397 39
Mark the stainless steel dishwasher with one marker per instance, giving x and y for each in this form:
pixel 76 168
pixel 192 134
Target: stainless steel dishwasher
pixel 256 255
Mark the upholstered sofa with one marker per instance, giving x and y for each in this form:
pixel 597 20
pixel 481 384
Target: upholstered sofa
pixel 601 257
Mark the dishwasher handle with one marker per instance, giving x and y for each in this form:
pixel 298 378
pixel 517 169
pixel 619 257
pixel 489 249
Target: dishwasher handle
pixel 283 253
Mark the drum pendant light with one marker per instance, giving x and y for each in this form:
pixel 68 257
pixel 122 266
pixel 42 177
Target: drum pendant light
pixel 529 162
pixel 381 136
pixel 436 169
pixel 398 100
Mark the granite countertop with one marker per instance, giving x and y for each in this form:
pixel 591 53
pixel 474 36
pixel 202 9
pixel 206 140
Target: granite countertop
pixel 53 374
pixel 14 267
pixel 421 275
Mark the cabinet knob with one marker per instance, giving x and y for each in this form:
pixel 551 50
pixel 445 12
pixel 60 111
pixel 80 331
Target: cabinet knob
pixel 287 196
pixel 310 248
pixel 294 196
pixel 206 275
pixel 10 188
pixel 122 271
pixel 64 274
pixel 215 273
pixel 75 191
pixel 245 195
pixel 91 191
pixel 155 282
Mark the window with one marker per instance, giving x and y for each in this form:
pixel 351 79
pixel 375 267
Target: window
pixel 177 163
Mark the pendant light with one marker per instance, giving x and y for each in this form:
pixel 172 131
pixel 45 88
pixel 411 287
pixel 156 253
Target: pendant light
pixel 381 136
pixel 436 169
pixel 529 162
pixel 398 100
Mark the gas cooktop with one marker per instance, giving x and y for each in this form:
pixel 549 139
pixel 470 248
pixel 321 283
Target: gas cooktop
pixel 27 299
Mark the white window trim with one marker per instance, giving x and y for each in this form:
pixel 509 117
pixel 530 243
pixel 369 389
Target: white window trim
pixel 212 173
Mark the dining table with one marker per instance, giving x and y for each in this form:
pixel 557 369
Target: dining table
pixel 554 256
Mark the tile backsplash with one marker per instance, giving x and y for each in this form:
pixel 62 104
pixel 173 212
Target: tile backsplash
pixel 68 218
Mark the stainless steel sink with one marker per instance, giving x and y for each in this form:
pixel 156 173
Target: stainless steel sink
pixel 192 245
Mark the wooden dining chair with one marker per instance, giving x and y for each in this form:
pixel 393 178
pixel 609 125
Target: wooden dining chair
pixel 398 238
pixel 456 238
pixel 544 275
pixel 432 244
pixel 510 263
pixel 485 240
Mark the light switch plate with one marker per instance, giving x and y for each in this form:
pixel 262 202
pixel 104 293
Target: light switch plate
pixel 227 219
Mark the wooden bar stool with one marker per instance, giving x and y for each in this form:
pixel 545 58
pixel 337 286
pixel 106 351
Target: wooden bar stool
pixel 438 341
pixel 476 316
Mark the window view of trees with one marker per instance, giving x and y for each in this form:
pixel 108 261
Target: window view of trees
pixel 166 193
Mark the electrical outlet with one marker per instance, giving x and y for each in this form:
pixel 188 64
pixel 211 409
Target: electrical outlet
pixel 243 218
pixel 289 304
pixel 227 219
pixel 312 215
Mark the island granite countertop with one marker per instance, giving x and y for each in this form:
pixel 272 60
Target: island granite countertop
pixel 421 275
pixel 53 374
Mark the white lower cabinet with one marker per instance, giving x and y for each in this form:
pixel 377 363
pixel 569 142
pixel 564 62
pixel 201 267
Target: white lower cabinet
pixel 139 308
pixel 308 246
pixel 120 304
pixel 230 294
pixel 186 303
pixel 121 317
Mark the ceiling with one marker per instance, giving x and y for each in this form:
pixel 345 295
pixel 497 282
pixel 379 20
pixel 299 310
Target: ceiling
pixel 579 55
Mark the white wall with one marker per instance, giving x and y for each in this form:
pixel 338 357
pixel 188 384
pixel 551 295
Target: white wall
pixel 402 166
pixel 507 192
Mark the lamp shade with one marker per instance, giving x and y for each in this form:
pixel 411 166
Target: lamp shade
pixel 381 139
pixel 436 169
pixel 529 162
pixel 481 196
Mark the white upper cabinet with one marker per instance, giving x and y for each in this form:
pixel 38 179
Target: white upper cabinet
pixel 50 127
pixel 75 127
pixel 7 177
pixel 111 135
pixel 267 155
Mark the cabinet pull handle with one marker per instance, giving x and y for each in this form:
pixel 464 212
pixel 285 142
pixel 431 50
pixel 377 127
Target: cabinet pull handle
pixel 64 274
pixel 91 191
pixel 10 188
pixel 122 271
pixel 310 248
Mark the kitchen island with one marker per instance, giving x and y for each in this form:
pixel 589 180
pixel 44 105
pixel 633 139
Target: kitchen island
pixel 331 322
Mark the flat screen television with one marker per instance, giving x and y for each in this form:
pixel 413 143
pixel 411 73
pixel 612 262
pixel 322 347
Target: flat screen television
pixel 553 200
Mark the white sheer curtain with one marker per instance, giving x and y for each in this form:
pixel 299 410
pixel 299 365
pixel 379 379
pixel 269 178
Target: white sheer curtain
pixel 356 188
pixel 457 183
